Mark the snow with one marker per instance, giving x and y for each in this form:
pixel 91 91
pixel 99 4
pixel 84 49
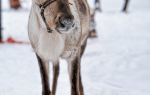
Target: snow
pixel 115 63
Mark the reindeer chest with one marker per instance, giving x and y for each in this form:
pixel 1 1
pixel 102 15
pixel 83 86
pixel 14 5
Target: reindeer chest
pixel 53 46
pixel 72 41
pixel 50 46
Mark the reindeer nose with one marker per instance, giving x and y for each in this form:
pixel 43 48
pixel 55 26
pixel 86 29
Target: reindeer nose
pixel 66 21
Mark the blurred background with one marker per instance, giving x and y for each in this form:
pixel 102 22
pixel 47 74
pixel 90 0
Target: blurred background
pixel 117 57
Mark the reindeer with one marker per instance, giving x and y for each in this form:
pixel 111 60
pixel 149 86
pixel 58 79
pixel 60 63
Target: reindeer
pixel 59 29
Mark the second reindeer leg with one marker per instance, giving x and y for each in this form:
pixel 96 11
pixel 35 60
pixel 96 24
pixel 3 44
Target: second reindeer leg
pixel 44 76
pixel 74 74
pixel 55 76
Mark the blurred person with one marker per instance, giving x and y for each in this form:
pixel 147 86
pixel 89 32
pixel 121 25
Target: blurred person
pixel 15 4
pixel 93 32
pixel 97 5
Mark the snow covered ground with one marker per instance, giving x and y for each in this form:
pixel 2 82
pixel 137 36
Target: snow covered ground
pixel 115 63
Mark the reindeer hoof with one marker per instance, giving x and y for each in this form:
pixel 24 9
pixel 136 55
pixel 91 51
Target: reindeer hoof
pixel 46 92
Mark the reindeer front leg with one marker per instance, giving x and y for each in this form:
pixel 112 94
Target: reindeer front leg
pixel 81 90
pixel 74 74
pixel 44 76
pixel 55 76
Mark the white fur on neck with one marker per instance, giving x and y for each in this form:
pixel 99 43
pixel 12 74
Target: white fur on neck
pixel 50 45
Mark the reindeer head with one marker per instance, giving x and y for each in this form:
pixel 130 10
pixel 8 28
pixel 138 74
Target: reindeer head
pixel 58 15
